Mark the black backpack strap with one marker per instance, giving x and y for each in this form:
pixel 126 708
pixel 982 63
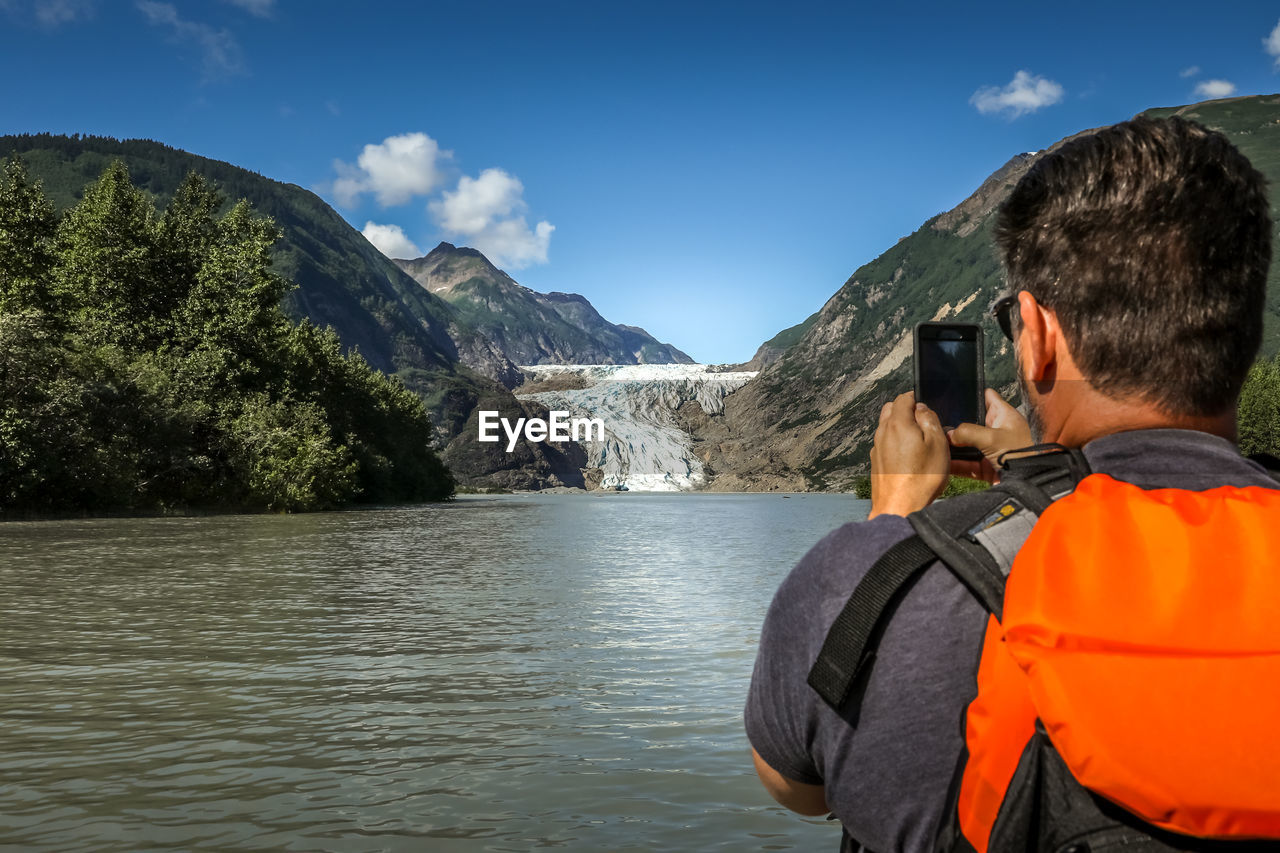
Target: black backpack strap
pixel 847 650
pixel 976 538
pixel 981 552
pixel 844 651
pixel 966 559
pixel 1051 468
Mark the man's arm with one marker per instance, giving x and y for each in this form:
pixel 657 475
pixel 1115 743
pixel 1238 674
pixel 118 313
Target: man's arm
pixel 889 776
pixel 780 707
pixel 799 797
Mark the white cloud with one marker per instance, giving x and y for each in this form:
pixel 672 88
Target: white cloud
pixel 1189 72
pixel 488 213
pixel 395 171
pixel 1026 93
pixel 261 8
pixel 476 201
pixel 391 241
pixel 221 52
pixel 1216 89
pixel 1272 43
pixel 50 13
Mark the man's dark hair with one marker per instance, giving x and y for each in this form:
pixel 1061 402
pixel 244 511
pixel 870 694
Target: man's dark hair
pixel 1151 241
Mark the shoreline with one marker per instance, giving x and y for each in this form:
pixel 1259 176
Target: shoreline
pixel 111 515
pixel 569 490
pixel 7 517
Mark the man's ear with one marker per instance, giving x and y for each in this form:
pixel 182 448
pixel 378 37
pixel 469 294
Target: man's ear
pixel 1037 338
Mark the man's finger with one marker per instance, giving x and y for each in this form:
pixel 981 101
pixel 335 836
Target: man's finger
pixel 998 409
pixel 927 418
pixel 972 435
pixel 878 438
pixel 1008 422
pixel 901 418
pixel 903 410
pixel 935 438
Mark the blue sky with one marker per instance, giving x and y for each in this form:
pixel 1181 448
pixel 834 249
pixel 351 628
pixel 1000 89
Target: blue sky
pixel 711 171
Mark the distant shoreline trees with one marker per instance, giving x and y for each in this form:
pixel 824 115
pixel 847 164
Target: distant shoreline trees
pixel 146 365
pixel 1258 418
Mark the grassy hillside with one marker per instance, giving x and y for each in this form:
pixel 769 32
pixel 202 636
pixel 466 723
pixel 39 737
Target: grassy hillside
pixel 808 419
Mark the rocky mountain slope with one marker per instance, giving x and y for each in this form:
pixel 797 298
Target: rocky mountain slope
pixel 343 282
pixel 807 420
pixel 531 327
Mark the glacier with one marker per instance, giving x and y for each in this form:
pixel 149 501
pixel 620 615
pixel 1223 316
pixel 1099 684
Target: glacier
pixel 643 449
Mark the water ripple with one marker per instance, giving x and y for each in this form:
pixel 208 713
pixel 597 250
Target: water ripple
pixel 493 675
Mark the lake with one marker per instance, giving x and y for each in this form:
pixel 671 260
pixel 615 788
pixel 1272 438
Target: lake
pixel 500 673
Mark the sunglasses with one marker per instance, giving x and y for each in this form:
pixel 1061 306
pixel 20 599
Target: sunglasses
pixel 1002 310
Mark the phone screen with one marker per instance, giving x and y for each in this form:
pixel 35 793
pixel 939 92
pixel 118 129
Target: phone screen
pixel 949 379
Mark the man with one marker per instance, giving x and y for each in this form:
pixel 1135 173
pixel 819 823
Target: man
pixel 1137 259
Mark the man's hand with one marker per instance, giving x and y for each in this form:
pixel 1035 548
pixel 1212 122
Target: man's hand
pixel 1006 429
pixel 910 459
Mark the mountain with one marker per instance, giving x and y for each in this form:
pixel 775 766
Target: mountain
pixel 343 282
pixel 532 327
pixel 808 419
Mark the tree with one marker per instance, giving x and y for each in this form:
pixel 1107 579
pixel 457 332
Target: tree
pixel 27 227
pixel 384 424
pixel 286 458
pixel 184 235
pixel 107 262
pixel 1258 416
pixel 146 363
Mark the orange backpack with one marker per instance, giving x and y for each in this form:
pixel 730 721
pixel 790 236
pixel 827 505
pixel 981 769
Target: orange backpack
pixel 1129 680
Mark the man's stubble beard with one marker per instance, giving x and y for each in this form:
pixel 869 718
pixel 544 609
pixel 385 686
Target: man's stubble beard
pixel 1029 408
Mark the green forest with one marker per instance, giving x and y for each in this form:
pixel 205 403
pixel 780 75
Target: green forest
pixel 146 365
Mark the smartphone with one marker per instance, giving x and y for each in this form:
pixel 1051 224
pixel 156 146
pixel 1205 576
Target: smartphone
pixel 949 377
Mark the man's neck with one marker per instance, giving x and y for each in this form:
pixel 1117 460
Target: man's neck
pixel 1098 416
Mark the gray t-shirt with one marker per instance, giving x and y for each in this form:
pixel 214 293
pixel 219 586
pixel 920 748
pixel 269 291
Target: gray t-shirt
pixel 887 777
